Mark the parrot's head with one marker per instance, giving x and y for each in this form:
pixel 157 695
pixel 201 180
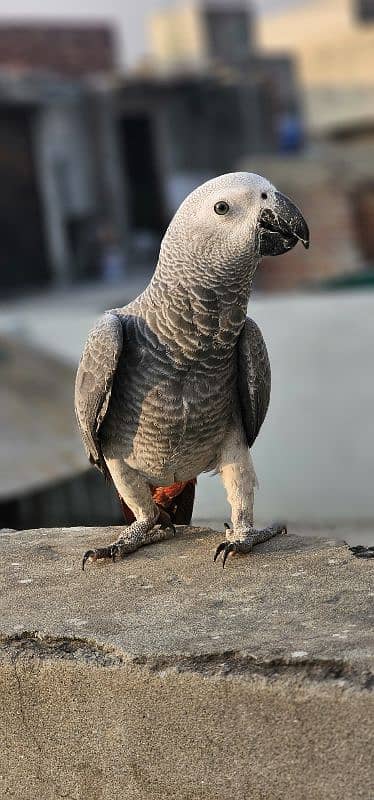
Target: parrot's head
pixel 234 219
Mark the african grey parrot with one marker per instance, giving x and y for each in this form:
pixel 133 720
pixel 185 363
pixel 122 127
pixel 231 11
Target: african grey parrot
pixel 177 382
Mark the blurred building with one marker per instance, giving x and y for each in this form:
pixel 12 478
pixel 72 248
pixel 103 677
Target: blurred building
pixel 177 131
pixel 200 34
pixel 58 162
pixel 93 162
pixel 206 98
pixel 334 180
pixel 333 44
pixel 220 37
pixel 73 50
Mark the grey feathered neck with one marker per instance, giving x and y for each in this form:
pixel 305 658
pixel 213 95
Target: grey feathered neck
pixel 197 309
pixel 199 272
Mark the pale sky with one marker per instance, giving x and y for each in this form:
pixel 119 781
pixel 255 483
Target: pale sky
pixel 126 16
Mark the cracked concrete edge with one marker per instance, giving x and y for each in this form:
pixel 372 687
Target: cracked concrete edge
pixel 227 664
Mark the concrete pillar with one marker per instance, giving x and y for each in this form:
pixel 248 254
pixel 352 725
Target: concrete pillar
pixel 57 245
pixel 111 183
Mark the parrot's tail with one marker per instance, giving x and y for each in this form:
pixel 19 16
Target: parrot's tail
pixel 177 500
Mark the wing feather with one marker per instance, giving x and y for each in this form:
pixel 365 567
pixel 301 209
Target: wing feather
pixel 94 382
pixel 254 379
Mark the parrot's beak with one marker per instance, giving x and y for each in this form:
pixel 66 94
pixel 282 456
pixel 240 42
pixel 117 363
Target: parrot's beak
pixel 281 227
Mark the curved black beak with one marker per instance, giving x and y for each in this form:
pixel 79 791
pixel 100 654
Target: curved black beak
pixel 281 227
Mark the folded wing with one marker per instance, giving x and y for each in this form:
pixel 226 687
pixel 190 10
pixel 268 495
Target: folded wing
pixel 254 379
pixel 94 383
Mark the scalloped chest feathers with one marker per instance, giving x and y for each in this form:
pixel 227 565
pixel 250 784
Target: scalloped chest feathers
pixel 171 401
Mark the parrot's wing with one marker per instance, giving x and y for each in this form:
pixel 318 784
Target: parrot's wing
pixel 94 383
pixel 254 379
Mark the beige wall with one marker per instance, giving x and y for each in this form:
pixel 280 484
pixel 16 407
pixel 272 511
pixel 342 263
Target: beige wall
pixel 176 35
pixel 335 58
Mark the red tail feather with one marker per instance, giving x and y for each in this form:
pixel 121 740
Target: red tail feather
pixel 177 500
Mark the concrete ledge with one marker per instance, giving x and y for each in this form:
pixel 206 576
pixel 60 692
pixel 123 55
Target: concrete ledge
pixel 165 677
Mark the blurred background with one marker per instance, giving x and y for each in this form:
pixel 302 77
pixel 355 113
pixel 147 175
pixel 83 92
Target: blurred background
pixel 110 113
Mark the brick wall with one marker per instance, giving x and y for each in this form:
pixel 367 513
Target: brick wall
pixel 67 50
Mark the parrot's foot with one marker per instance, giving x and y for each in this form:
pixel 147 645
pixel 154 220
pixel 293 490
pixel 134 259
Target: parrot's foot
pixel 246 544
pixel 138 534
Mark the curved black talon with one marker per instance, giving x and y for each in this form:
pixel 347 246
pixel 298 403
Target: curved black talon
pixel 222 546
pixel 228 547
pixel 219 550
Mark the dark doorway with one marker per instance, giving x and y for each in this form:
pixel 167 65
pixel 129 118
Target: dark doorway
pixel 145 197
pixel 23 262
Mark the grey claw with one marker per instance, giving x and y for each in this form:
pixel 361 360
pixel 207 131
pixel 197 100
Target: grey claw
pixel 219 550
pixel 230 548
pixel 227 548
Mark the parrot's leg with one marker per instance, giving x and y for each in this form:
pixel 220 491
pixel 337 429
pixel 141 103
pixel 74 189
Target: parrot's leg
pixel 239 479
pixel 152 524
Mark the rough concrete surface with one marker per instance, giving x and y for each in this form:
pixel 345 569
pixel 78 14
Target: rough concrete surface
pixel 163 676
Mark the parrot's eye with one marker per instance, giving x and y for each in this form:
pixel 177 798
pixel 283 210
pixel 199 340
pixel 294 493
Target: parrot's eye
pixel 264 196
pixel 221 207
